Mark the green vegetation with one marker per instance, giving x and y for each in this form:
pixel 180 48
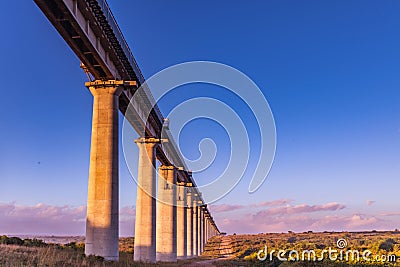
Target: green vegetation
pixel 15 251
pixel 243 249
pixel 234 250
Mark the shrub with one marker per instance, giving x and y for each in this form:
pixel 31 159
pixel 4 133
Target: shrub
pixel 34 243
pixel 11 240
pixel 388 245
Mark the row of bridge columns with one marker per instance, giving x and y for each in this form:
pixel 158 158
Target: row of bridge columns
pixel 178 218
pixel 174 225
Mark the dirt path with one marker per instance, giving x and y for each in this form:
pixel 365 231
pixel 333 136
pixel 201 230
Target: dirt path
pixel 205 263
pixel 223 252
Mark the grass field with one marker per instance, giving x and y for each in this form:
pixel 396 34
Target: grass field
pixel 233 250
pixel 380 248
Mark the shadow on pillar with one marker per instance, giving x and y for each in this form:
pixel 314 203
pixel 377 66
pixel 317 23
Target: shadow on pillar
pixel 144 258
pixel 166 257
pixel 102 241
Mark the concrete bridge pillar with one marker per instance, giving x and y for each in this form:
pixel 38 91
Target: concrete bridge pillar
pixel 145 225
pixel 102 206
pixel 203 232
pixel 166 215
pixel 200 228
pixel 195 226
pixel 207 229
pixel 210 229
pixel 189 222
pixel 181 239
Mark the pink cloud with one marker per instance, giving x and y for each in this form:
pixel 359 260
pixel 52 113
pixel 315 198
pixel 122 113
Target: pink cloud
pixel 227 207
pixel 42 219
pixel 127 213
pixel 275 218
pixel 370 202
pixel 358 221
pixel 354 222
pixel 127 221
pixel 388 214
pixel 224 207
pixel 263 223
pixel 302 208
pixel 302 217
pixel 273 203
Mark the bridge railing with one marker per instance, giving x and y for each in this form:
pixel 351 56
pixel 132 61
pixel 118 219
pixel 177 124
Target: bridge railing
pixel 124 45
pixel 127 51
pixel 120 37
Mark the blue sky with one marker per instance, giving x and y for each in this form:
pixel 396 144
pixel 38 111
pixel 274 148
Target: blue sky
pixel 329 70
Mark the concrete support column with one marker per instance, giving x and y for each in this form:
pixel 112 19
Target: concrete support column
pixel 207 229
pixel 195 226
pixel 189 222
pixel 102 205
pixel 203 241
pixel 181 239
pixel 145 225
pixel 166 215
pixel 200 229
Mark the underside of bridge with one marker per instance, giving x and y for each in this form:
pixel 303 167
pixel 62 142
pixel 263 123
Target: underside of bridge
pixel 172 221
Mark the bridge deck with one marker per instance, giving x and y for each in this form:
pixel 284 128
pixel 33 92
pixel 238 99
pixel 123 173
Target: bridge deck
pixel 91 31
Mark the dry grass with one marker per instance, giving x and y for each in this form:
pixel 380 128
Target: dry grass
pixel 12 255
pixel 241 248
pixel 53 255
